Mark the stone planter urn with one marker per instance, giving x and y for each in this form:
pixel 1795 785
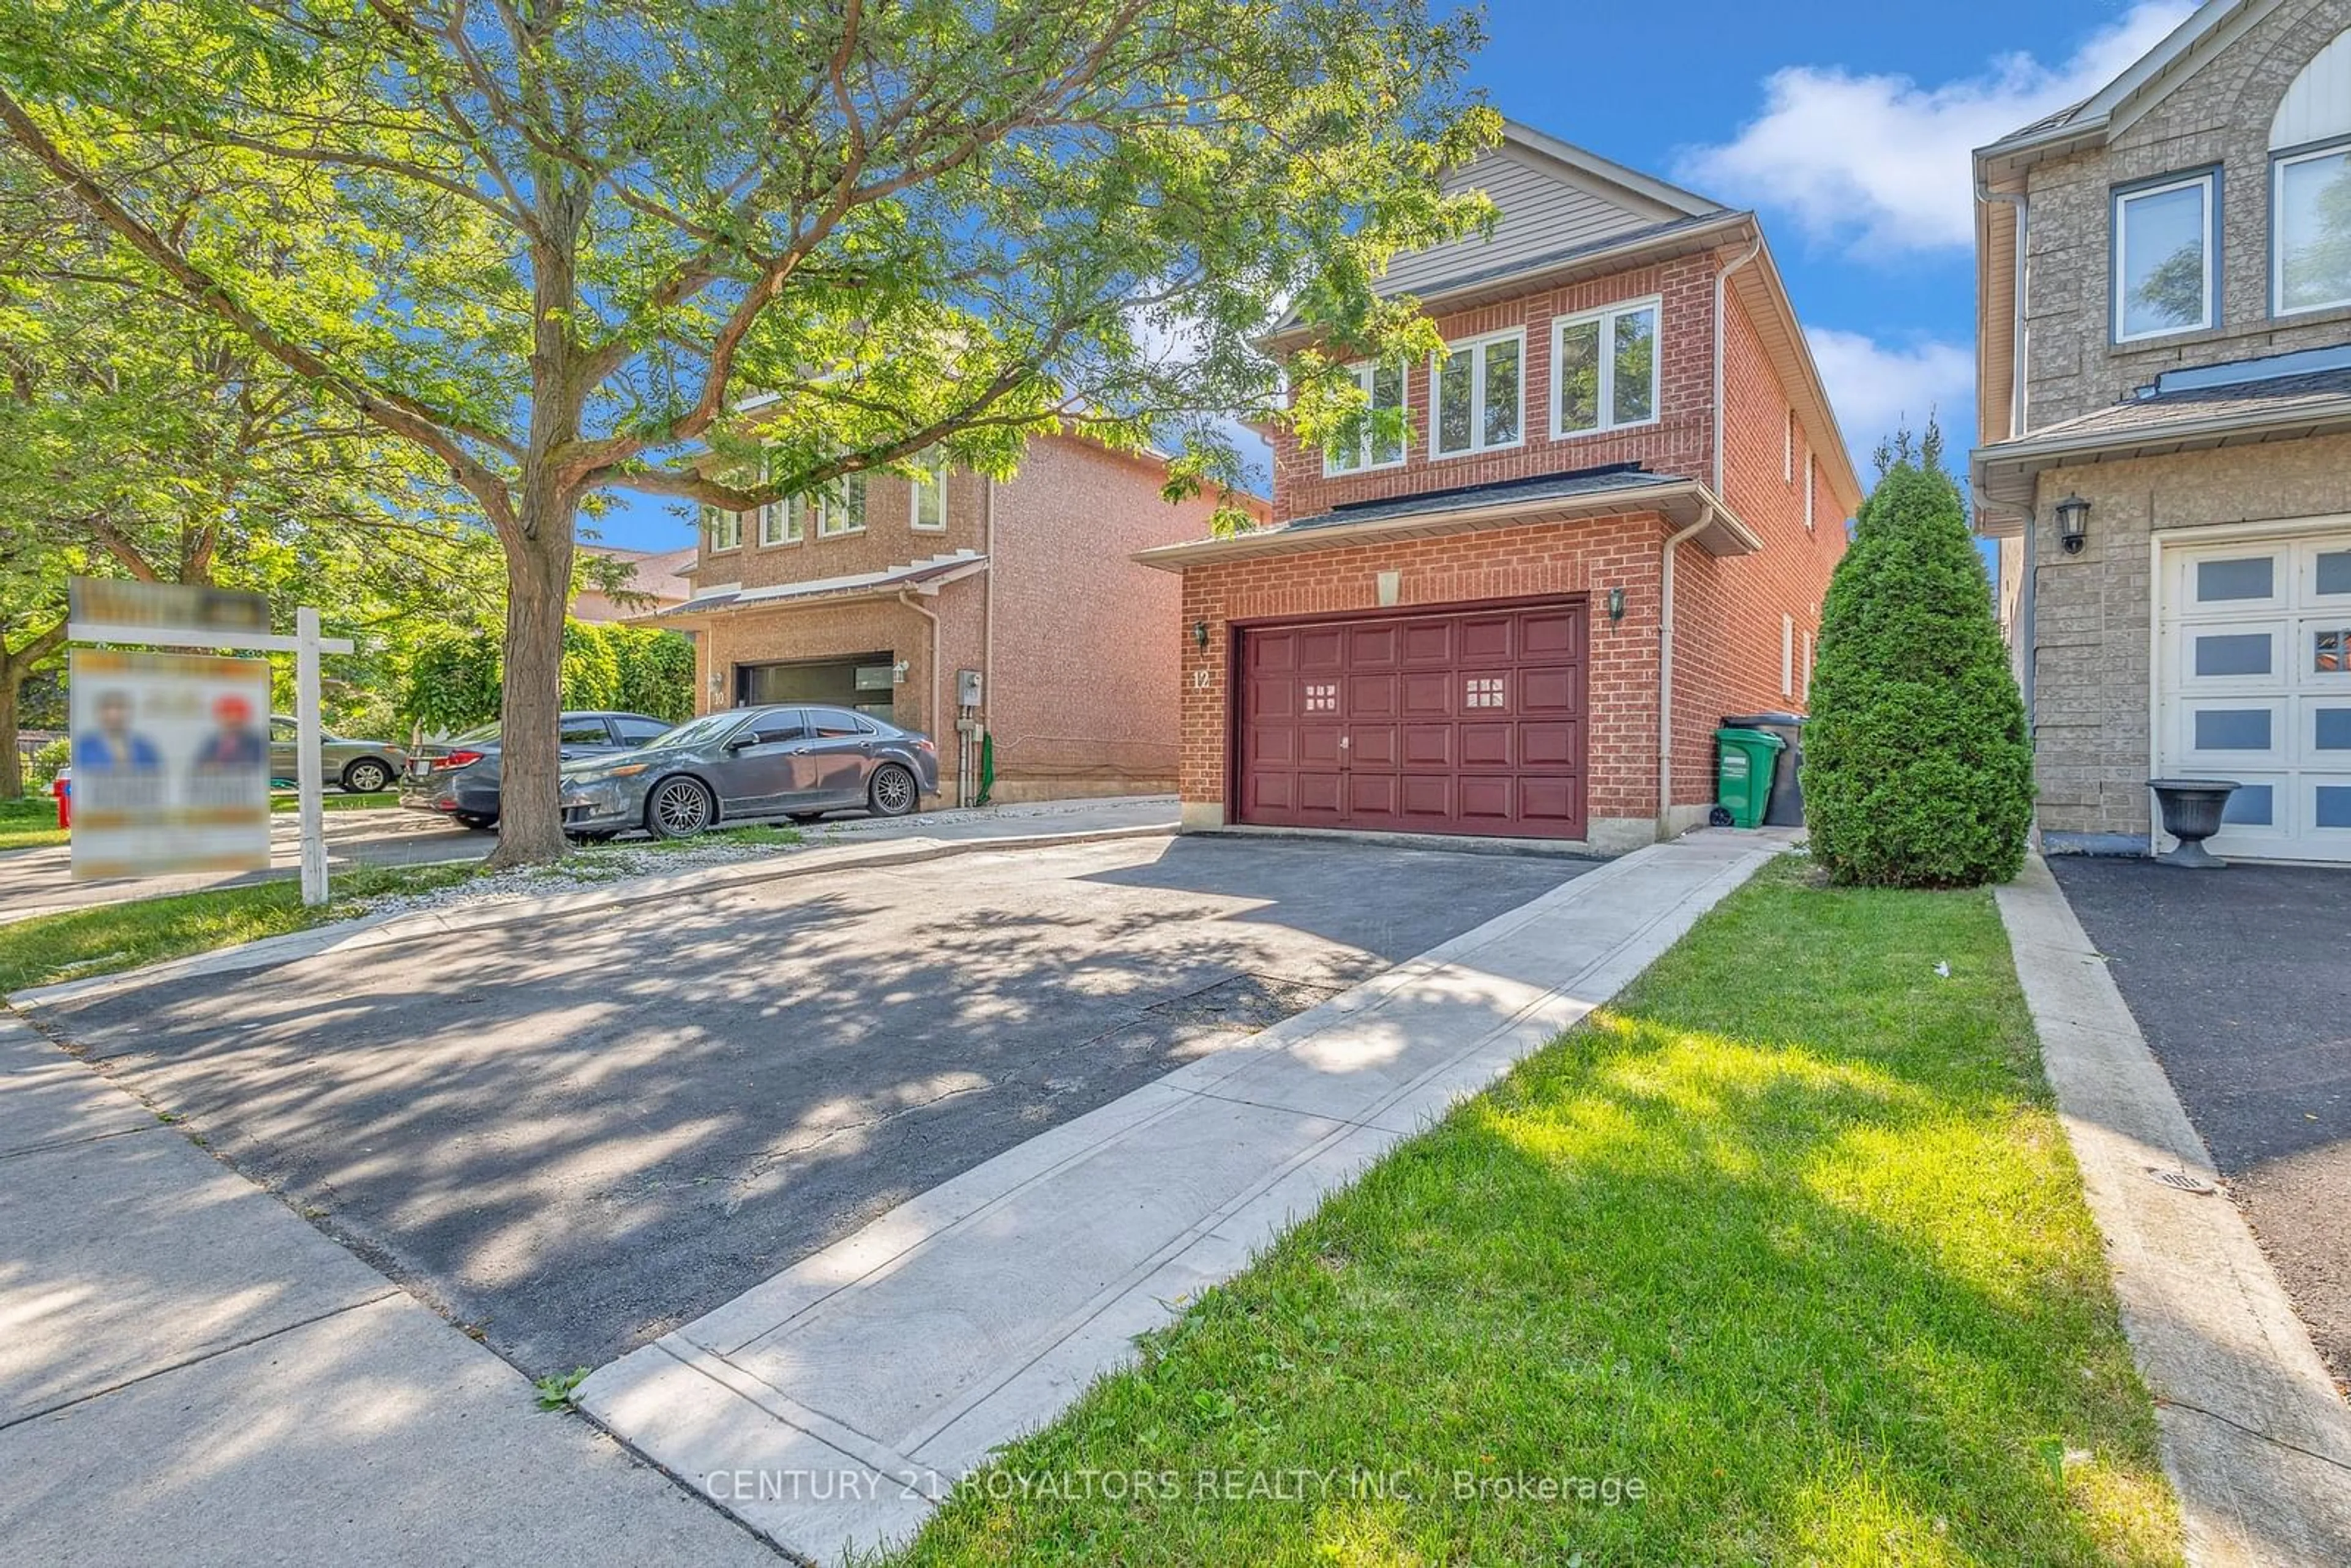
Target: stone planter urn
pixel 2191 813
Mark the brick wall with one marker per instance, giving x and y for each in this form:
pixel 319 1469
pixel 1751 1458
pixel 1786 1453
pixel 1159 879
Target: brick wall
pixel 890 539
pixel 1679 442
pixel 1460 568
pixel 2220 115
pixel 1088 641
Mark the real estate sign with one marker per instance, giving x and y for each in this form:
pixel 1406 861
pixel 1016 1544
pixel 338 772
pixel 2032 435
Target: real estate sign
pixel 171 763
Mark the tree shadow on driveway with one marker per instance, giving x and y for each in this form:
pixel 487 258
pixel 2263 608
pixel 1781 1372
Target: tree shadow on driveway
pixel 579 1133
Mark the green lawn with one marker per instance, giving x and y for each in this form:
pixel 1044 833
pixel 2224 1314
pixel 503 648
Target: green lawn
pixel 335 800
pixel 29 823
pixel 1789 1237
pixel 112 937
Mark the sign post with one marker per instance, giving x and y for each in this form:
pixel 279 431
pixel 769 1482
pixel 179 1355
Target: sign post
pixel 169 616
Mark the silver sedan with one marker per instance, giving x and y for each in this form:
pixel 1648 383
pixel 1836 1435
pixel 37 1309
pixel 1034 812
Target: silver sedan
pixel 797 762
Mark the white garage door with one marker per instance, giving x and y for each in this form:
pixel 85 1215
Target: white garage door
pixel 2255 684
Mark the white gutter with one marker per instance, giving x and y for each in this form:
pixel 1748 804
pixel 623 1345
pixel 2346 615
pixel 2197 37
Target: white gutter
pixel 1665 669
pixel 1721 284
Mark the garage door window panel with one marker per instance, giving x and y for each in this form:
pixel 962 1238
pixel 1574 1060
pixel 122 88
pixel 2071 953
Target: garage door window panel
pixel 2241 582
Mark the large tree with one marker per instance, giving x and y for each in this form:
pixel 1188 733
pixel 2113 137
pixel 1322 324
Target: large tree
pixel 559 244
pixel 141 437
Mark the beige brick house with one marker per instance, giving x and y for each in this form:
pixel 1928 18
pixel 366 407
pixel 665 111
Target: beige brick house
pixel 2164 277
pixel 1611 524
pixel 962 607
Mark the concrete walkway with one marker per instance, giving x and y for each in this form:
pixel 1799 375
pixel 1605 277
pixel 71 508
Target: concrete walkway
pixel 829 1405
pixel 2256 1437
pixel 189 1374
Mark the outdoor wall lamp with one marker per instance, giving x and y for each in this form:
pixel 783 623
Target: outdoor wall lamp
pixel 2072 523
pixel 1200 635
pixel 1615 604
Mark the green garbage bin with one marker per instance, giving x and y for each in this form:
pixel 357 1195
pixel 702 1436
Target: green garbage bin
pixel 1746 759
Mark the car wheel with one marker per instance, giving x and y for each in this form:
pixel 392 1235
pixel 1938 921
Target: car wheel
pixel 893 792
pixel 678 809
pixel 365 777
pixel 804 816
pixel 473 822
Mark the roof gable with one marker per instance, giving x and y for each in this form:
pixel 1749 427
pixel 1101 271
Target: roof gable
pixel 2146 82
pixel 1549 197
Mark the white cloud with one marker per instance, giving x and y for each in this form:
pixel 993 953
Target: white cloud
pixel 1877 389
pixel 1882 159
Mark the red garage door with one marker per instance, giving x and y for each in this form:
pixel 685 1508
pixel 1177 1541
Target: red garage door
pixel 1465 722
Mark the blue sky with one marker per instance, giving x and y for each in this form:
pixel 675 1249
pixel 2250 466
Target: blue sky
pixel 1847 125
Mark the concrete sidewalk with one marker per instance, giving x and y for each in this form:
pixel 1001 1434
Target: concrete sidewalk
pixel 189 1374
pixel 2255 1438
pixel 829 1405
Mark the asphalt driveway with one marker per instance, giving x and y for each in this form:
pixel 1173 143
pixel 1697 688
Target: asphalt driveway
pixel 2241 983
pixel 578 1136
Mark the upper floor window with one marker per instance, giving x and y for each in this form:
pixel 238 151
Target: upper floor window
pixel 927 500
pixel 1477 395
pixel 780 521
pixel 842 512
pixel 2165 252
pixel 2311 207
pixel 1606 367
pixel 723 529
pixel 1381 443
pixel 2310 185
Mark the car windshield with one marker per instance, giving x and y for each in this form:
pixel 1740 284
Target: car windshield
pixel 696 731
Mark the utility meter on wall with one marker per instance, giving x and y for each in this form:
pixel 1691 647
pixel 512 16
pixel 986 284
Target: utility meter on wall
pixel 967 688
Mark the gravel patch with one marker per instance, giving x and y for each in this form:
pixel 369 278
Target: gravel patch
pixel 599 867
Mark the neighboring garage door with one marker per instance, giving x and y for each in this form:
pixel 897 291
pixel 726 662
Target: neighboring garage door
pixel 1465 722
pixel 2255 670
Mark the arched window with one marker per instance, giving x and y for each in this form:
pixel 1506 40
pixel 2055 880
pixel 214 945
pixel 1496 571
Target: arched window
pixel 2309 186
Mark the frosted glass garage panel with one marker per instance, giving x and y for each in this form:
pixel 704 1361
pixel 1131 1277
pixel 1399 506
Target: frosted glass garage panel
pixel 2235 579
pixel 2252 806
pixel 2330 573
pixel 2330 729
pixel 2232 729
pixel 2330 806
pixel 2223 655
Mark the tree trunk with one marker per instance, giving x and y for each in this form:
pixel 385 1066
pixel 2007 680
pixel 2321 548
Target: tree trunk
pixel 13 669
pixel 12 765
pixel 539 586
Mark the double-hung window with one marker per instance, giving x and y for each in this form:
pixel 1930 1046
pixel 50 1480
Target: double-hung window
pixel 1605 368
pixel 1478 386
pixel 843 511
pixel 1380 443
pixel 2310 201
pixel 721 527
pixel 2166 257
pixel 926 499
pixel 780 521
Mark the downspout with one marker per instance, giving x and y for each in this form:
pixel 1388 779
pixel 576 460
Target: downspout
pixel 1673 543
pixel 978 738
pixel 1665 669
pixel 905 597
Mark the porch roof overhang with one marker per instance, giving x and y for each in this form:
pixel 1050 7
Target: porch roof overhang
pixel 1680 502
pixel 923 577
pixel 2006 472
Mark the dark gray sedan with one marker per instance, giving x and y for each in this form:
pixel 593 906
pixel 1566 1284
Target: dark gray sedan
pixel 459 778
pixel 796 762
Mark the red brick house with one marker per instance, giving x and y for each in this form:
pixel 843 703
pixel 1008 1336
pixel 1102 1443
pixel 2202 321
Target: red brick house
pixel 1612 523
pixel 1012 607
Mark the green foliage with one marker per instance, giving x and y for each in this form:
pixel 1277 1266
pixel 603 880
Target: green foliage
pixel 656 673
pixel 555 1390
pixel 1918 769
pixel 50 760
pixel 453 679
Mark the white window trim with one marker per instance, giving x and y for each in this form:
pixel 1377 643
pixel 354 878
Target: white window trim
pixel 2277 210
pixel 935 480
pixel 779 511
pixel 1808 667
pixel 1474 346
pixel 711 532
pixel 2114 303
pixel 1788 449
pixel 1787 655
pixel 825 527
pixel 1812 484
pixel 1362 373
pixel 1607 388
